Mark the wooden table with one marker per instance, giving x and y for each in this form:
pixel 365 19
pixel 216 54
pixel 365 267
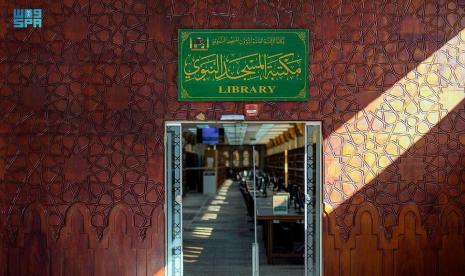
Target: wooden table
pixel 265 214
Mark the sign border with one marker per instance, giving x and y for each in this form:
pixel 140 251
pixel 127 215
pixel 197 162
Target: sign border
pixel 303 95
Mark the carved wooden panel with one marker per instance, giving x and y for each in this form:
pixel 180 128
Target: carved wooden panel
pixel 409 256
pixel 452 250
pixel 79 252
pixel 73 254
pixel 30 255
pixel 371 250
pixel 366 244
pixel 117 247
pixel 83 101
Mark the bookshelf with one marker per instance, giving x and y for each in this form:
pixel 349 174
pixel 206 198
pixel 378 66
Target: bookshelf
pixel 275 165
pixel 296 166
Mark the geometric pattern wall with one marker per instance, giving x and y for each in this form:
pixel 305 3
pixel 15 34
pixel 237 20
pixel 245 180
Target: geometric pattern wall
pixel 83 101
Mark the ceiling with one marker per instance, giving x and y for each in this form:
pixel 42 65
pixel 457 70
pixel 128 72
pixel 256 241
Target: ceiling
pixel 246 133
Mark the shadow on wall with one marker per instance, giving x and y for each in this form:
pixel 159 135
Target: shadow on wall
pixel 394 176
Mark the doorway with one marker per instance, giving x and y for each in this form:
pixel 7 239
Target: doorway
pixel 247 153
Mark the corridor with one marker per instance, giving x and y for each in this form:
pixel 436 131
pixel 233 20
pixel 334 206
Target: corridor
pixel 218 236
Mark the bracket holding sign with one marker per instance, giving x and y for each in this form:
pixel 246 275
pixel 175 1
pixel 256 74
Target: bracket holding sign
pixel 243 65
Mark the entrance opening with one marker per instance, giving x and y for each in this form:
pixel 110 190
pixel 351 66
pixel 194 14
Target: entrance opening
pixel 239 200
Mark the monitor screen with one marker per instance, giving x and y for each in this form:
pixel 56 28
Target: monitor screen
pixel 210 135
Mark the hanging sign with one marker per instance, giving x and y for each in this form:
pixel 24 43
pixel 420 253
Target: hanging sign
pixel 243 65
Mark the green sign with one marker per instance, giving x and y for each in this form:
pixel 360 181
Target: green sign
pixel 243 65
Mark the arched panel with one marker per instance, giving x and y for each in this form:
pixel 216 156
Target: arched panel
pixel 236 158
pixel 74 255
pixel 452 253
pixel 331 254
pixel 411 238
pixel 366 257
pixel 3 255
pixel 245 158
pixel 116 254
pixel 31 257
pixel 155 264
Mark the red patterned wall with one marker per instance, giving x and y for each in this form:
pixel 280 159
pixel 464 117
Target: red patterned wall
pixel 83 101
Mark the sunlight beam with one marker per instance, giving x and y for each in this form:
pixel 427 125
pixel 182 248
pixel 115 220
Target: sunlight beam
pixel 372 140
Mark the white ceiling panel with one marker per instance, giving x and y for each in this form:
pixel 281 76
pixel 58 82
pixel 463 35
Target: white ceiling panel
pixel 247 133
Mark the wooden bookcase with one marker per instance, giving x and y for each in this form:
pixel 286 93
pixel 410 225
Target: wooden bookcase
pixel 296 163
pixel 274 164
pixel 295 160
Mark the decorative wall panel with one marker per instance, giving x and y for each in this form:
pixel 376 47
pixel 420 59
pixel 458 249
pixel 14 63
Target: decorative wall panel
pixel 83 101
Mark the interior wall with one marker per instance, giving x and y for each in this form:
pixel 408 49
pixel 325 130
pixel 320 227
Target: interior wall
pixel 228 160
pixel 83 101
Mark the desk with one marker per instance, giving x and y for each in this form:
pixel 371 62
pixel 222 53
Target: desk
pixel 250 189
pixel 265 214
